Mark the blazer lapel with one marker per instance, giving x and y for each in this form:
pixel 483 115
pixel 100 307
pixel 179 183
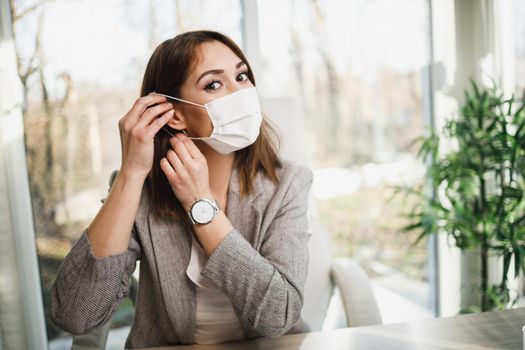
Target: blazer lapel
pixel 171 245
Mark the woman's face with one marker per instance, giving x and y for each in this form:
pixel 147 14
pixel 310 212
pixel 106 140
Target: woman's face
pixel 218 72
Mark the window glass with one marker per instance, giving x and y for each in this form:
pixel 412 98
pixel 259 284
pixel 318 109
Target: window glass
pixel 357 68
pixel 81 65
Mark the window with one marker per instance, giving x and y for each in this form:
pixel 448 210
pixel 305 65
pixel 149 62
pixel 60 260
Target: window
pixel 81 64
pixel 357 68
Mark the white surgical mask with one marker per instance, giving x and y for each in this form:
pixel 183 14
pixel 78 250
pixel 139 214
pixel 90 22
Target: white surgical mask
pixel 236 120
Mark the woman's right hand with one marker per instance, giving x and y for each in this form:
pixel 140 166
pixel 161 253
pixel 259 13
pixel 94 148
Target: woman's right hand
pixel 137 130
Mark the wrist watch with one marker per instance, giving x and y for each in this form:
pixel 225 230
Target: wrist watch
pixel 203 211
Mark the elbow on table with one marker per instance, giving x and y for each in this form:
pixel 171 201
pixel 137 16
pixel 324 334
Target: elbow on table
pixel 272 323
pixel 66 324
pixel 69 325
pixel 270 331
pixel 67 318
pixel 72 328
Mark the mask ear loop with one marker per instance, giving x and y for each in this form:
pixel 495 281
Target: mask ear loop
pixel 183 131
pixel 179 99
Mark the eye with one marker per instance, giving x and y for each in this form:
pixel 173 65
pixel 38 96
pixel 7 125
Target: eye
pixel 242 77
pixel 214 85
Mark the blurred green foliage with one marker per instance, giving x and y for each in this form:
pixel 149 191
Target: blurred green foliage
pixel 476 166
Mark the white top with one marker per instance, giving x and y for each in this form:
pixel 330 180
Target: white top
pixel 215 319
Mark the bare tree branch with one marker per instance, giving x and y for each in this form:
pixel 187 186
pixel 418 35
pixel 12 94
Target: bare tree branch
pixel 26 72
pixel 17 16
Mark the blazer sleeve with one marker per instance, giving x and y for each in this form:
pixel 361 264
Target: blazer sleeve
pixel 88 290
pixel 267 285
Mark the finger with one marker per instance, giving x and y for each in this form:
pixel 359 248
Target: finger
pixel 193 150
pixel 176 163
pixel 153 112
pixel 142 103
pixel 181 150
pixel 158 123
pixel 167 169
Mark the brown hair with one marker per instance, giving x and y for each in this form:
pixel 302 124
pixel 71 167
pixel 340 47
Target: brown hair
pixel 167 69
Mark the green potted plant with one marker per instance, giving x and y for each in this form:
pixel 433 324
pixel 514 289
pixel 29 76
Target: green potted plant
pixel 476 167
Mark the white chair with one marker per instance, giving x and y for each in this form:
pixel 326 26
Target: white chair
pixel 338 293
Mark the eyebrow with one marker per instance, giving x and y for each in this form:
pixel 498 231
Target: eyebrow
pixel 219 71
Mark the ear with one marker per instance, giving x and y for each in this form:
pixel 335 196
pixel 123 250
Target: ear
pixel 177 122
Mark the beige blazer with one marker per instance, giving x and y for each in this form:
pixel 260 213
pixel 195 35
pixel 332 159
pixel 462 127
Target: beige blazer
pixel 261 265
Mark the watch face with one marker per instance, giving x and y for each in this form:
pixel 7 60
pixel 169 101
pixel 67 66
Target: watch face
pixel 202 212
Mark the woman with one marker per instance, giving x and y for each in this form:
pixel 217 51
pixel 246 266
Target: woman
pixel 218 221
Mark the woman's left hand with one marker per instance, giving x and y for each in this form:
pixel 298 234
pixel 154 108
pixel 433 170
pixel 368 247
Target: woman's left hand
pixel 187 171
